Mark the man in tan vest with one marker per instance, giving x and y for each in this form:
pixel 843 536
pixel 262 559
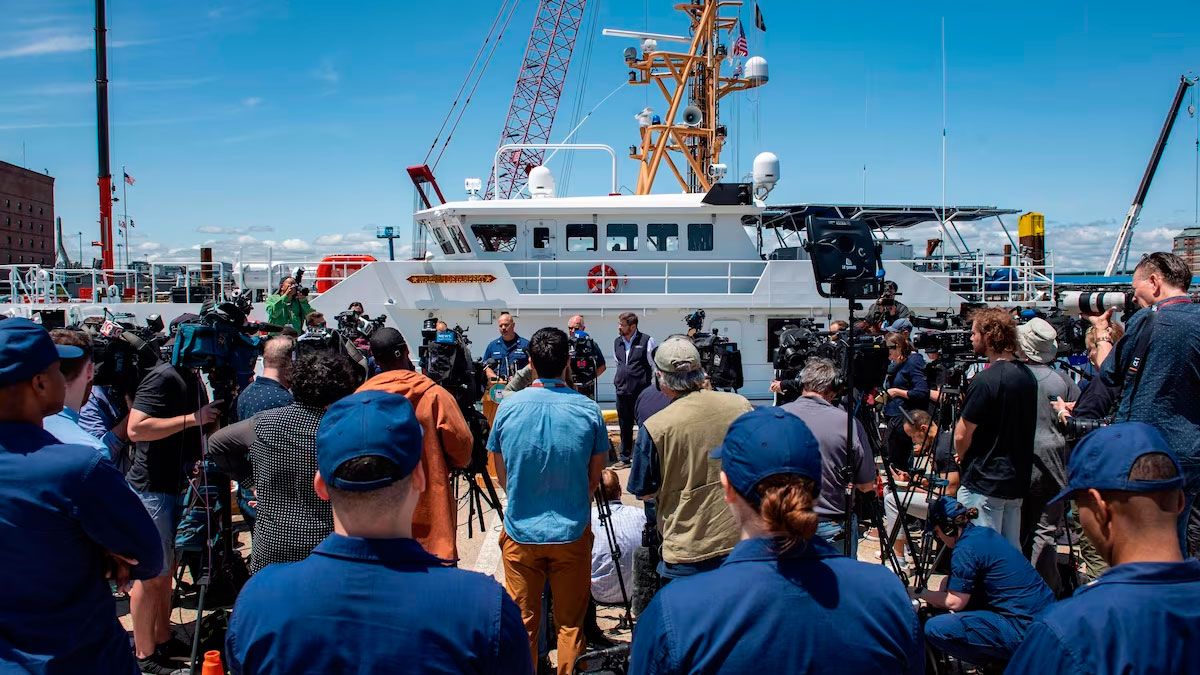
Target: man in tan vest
pixel 671 463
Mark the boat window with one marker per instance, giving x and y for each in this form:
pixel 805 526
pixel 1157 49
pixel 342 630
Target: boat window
pixel 459 239
pixel 662 236
pixel 443 240
pixel 581 237
pixel 622 237
pixel 541 237
pixel 700 236
pixel 495 238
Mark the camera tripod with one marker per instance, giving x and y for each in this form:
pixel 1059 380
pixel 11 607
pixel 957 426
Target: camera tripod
pixel 604 511
pixel 476 497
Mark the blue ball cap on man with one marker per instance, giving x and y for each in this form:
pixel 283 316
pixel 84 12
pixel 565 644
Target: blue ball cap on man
pixel 1103 459
pixel 767 442
pixel 26 350
pixel 368 424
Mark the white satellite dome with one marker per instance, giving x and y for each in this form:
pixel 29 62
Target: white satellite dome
pixel 765 173
pixel 541 182
pixel 756 70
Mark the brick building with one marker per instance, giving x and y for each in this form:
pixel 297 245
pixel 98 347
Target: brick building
pixel 26 216
pixel 1187 246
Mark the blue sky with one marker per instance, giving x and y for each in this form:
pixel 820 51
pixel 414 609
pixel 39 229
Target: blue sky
pixel 289 124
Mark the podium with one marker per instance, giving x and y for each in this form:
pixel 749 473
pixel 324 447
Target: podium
pixel 491 402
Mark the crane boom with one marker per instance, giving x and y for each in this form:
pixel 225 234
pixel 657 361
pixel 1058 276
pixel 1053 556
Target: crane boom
pixel 539 87
pixel 1120 253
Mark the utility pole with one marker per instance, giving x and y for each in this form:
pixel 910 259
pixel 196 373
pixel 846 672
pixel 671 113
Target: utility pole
pixel 104 179
pixel 389 233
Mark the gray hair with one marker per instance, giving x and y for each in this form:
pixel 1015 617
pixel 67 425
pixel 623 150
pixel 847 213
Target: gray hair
pixel 683 383
pixel 819 375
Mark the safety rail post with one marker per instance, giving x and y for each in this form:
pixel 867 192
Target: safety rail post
pixel 187 284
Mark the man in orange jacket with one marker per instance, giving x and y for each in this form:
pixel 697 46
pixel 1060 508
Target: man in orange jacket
pixel 447 439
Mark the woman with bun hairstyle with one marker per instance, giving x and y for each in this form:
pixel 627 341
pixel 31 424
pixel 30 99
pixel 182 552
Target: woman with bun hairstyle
pixel 993 593
pixel 785 600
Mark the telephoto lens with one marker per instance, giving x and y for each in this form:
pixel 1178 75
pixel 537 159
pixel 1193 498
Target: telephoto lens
pixel 1090 303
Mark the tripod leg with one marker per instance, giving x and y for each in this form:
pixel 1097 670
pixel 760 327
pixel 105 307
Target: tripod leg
pixel 479 506
pixel 494 499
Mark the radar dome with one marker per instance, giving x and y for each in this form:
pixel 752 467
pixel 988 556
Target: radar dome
pixel 765 173
pixel 756 71
pixel 541 182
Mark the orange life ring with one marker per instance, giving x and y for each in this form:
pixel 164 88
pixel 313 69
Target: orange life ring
pixel 602 279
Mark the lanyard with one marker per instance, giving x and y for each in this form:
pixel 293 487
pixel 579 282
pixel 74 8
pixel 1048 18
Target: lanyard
pixel 1178 300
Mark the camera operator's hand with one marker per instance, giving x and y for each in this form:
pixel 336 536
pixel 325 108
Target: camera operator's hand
pixel 1102 322
pixel 118 569
pixel 900 475
pixel 777 387
pixel 1063 408
pixel 207 414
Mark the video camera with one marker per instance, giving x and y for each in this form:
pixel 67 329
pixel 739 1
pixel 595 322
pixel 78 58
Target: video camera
pixel 123 352
pixel 583 354
pixel 946 332
pixel 446 359
pixel 222 344
pixel 719 356
pixel 353 325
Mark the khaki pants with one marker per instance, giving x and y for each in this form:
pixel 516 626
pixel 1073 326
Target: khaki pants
pixel 569 570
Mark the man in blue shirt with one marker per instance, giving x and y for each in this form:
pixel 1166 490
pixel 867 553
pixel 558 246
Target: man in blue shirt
pixel 784 601
pixel 105 415
pixel 67 520
pixel 370 599
pixel 508 353
pixel 1160 377
pixel 269 390
pixel 549 444
pixel 64 425
pixel 992 591
pixel 1143 614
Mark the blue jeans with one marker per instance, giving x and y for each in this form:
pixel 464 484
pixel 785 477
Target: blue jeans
pixel 832 531
pixel 164 509
pixel 977 637
pixel 1002 515
pixel 670 571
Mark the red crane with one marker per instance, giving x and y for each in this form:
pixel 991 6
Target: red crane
pixel 539 88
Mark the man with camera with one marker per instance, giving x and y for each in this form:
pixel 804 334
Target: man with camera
pixel 587 360
pixel 671 463
pixel 994 436
pixel 633 351
pixel 168 411
pixel 1143 615
pixel 842 460
pixel 288 307
pixel 887 310
pixel 1157 366
pixel 508 353
pixel 67 521
pixel 447 441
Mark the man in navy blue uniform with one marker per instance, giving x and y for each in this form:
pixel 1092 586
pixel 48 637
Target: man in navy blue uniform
pixel 784 601
pixel 1143 614
pixel 67 520
pixel 992 591
pixel 369 598
pixel 508 353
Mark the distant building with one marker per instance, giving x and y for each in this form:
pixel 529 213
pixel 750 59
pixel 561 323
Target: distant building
pixel 26 216
pixel 1187 246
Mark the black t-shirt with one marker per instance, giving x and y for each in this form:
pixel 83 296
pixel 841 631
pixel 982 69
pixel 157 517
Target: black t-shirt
pixel 944 461
pixel 159 466
pixel 1002 402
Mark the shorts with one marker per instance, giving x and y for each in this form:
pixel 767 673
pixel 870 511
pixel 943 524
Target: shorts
pixel 164 509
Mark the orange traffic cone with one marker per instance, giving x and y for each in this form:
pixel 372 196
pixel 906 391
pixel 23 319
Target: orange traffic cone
pixel 212 664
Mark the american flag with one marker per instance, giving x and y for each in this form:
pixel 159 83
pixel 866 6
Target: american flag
pixel 129 179
pixel 737 70
pixel 740 46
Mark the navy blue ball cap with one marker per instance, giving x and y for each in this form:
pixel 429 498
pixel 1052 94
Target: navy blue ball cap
pixel 943 511
pixel 26 350
pixel 1103 459
pixel 767 442
pixel 368 424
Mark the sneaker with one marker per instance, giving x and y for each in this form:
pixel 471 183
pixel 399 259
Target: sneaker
pixel 157 665
pixel 620 464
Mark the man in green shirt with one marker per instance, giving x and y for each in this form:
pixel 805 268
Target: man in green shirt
pixel 287 307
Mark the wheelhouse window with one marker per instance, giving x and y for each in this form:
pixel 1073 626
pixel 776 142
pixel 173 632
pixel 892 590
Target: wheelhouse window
pixel 700 237
pixel 622 237
pixel 541 237
pixel 662 236
pixel 443 240
pixel 495 238
pixel 581 237
pixel 460 240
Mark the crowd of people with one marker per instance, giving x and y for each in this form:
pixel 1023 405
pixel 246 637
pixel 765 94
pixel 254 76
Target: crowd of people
pixel 747 514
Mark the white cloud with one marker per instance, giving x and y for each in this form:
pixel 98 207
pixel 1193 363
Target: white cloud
pixel 149 247
pixel 247 240
pixel 252 101
pixel 214 229
pixel 54 44
pixel 295 245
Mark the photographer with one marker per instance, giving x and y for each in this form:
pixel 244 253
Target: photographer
pixel 887 310
pixel 927 439
pixel 68 524
pixel 992 591
pixel 994 436
pixel 1143 616
pixel 785 601
pixel 841 461
pixel 447 440
pixel 164 422
pixel 78 373
pixel 288 307
pixel 584 347
pixel 1099 399
pixel 906 390
pixel 837 343
pixel 1157 366
pixel 314 321
pixel 105 415
pixel 1040 519
pixel 357 308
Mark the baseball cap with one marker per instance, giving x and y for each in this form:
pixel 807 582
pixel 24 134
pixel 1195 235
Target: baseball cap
pixel 1103 459
pixel 766 442
pixel 944 510
pixel 368 424
pixel 677 354
pixel 26 350
pixel 387 340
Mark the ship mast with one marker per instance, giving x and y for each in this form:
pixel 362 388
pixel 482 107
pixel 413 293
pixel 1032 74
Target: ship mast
pixel 691 132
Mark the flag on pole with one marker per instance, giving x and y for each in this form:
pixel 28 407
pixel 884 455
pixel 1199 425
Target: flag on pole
pixel 758 18
pixel 128 178
pixel 740 46
pixel 737 70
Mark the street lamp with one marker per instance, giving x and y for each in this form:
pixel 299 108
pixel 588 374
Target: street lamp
pixel 80 235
